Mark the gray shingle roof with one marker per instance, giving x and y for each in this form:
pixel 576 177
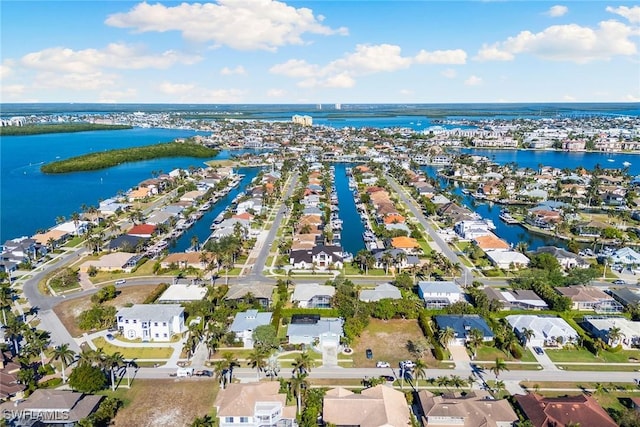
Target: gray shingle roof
pixel 151 312
pixel 249 320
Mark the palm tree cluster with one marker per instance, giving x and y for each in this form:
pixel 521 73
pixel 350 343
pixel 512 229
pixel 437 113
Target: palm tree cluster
pixel 222 253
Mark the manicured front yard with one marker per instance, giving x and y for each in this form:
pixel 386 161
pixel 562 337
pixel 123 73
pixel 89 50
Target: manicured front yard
pixel 149 352
pixel 489 353
pixel 585 356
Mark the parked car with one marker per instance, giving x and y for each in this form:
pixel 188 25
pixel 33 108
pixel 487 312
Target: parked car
pixel 120 281
pixel 109 336
pixel 538 350
pixel 407 364
pixel 389 378
pixel 619 282
pixel 369 353
pixel 204 373
pixel 382 364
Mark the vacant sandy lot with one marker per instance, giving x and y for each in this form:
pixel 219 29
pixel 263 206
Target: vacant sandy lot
pixel 388 340
pixel 170 402
pixel 68 311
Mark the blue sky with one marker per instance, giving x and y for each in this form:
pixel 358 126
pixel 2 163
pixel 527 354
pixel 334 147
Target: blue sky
pixel 261 51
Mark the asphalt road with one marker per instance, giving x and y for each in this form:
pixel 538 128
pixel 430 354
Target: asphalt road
pixel 467 275
pixel 258 266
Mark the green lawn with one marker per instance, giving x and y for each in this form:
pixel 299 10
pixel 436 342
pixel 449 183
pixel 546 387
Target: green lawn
pixel 489 353
pixel 149 352
pixel 582 355
pixel 145 269
pixel 600 368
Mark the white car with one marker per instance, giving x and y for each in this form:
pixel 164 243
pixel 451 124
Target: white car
pixel 120 282
pixel 382 364
pixel 407 364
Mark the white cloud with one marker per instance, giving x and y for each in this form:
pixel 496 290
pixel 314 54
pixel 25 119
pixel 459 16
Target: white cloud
pixel 114 96
pixel 275 93
pixel 365 60
pixel 244 25
pixel 568 98
pixel 115 55
pixel 239 70
pixel 74 81
pixel 632 98
pixel 630 13
pixel 406 92
pixel 175 88
pixel 567 43
pixel 188 92
pixel 557 11
pixel 11 91
pixel 457 56
pixel 6 69
pixel 473 81
pixel 449 73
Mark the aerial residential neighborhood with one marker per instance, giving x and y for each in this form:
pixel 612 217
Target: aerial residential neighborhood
pixel 319 288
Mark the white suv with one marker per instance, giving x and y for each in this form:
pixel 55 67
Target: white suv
pixel 382 364
pixel 407 364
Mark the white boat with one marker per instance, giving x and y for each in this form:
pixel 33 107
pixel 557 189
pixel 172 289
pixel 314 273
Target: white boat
pixel 626 164
pixel 610 160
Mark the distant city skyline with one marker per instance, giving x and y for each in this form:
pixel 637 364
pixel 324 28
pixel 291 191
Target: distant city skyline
pixel 324 52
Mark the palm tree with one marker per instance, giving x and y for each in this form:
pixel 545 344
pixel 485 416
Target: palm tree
pixel 476 338
pixel 419 370
pixel 298 382
pixel 37 340
pixel 75 217
pixel 457 381
pixel 614 335
pixel 527 334
pixel 14 329
pixel 499 366
pixel 219 369
pixel 65 355
pixel 257 360
pixel 303 363
pixel 499 386
pixel 387 260
pixel 446 335
pixel 114 362
pixel 6 299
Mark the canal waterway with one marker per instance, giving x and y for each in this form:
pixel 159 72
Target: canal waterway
pixel 352 227
pixel 202 228
pixel 511 233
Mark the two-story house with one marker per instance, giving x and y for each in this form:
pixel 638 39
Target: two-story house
pixel 246 322
pixel 151 322
pixel 254 405
pixel 439 294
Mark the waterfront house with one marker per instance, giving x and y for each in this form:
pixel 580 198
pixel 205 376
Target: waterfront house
pixel 547 330
pixel 127 243
pixel 56 407
pixel 476 408
pixel 491 242
pixel 246 291
pixel 377 406
pixel 517 299
pixel 439 294
pixel 462 326
pixel 380 292
pixel 601 326
pixel 626 256
pixel 507 260
pixel 184 260
pixel 406 244
pixel 312 295
pixel 192 196
pixel 590 298
pixel 254 405
pixel 397 260
pixel 246 322
pixel 470 229
pixel 590 229
pixel 582 410
pixel 151 322
pixel 253 205
pixel 142 230
pixel 613 199
pixel 139 194
pixel 77 228
pixel 567 260
pixel 160 217
pixel 321 257
pixel 58 237
pixel 309 329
